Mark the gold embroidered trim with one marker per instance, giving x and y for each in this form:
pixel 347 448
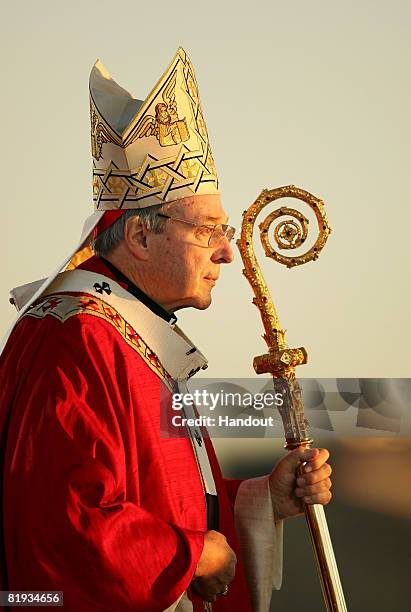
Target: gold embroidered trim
pixel 62 306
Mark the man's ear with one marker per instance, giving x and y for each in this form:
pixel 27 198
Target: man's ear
pixel 135 237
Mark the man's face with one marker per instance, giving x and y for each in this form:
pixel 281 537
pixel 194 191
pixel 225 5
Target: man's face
pixel 184 269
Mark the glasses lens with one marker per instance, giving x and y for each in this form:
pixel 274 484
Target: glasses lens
pixel 219 233
pixel 230 233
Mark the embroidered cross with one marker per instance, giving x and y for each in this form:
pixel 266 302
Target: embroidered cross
pixel 152 357
pixel 104 287
pixel 50 304
pixel 132 335
pixel 114 316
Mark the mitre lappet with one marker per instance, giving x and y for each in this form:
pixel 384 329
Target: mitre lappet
pixel 144 153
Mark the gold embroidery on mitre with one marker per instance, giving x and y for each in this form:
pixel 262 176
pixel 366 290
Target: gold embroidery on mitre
pixel 156 154
pixel 189 168
pixel 166 125
pixel 100 132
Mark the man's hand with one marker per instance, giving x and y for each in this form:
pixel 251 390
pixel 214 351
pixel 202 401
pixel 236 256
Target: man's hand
pixel 289 489
pixel 216 567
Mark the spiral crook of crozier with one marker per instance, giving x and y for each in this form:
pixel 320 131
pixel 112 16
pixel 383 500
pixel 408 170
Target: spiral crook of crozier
pixel 291 233
pixel 288 234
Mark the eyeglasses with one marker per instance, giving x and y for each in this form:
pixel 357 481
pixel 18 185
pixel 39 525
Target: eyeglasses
pixel 216 233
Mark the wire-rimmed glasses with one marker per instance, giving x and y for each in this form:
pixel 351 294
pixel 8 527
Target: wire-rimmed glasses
pixel 217 233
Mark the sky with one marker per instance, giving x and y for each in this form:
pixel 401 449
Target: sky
pixel 313 94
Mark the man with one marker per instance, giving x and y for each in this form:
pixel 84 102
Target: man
pixel 96 503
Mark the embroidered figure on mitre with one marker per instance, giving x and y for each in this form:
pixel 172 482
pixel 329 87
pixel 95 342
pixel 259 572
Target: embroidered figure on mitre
pixel 166 126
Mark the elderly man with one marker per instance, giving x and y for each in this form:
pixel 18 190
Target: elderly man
pixel 96 503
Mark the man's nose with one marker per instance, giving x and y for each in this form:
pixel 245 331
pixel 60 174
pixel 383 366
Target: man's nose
pixel 224 252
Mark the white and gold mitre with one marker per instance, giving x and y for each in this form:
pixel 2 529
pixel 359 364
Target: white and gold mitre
pixel 150 152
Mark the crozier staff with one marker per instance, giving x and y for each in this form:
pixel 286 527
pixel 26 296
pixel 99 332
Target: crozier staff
pixel 95 502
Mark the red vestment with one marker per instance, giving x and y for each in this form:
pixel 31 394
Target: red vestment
pixel 95 503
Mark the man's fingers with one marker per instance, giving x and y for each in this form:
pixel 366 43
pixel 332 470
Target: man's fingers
pixel 319 498
pixel 319 487
pixel 302 475
pixel 312 477
pixel 315 462
pixel 210 588
pixel 290 462
pixel 313 458
pixel 216 567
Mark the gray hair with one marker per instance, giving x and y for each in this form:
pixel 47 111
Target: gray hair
pixel 111 237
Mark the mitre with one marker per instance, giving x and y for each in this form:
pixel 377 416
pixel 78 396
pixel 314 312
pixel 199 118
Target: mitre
pixel 150 152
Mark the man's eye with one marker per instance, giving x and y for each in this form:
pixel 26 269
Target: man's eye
pixel 203 231
pixel 218 233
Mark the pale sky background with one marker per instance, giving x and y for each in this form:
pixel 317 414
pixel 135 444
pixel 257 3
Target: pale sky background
pixel 311 93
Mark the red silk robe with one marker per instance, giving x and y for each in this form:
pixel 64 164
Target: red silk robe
pixel 95 503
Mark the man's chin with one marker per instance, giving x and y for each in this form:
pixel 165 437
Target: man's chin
pixel 199 303
pixel 204 305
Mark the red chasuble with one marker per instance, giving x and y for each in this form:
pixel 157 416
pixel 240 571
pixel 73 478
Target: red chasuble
pixel 95 502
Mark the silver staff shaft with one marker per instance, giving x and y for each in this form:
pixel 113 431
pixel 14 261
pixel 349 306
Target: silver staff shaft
pixel 327 565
